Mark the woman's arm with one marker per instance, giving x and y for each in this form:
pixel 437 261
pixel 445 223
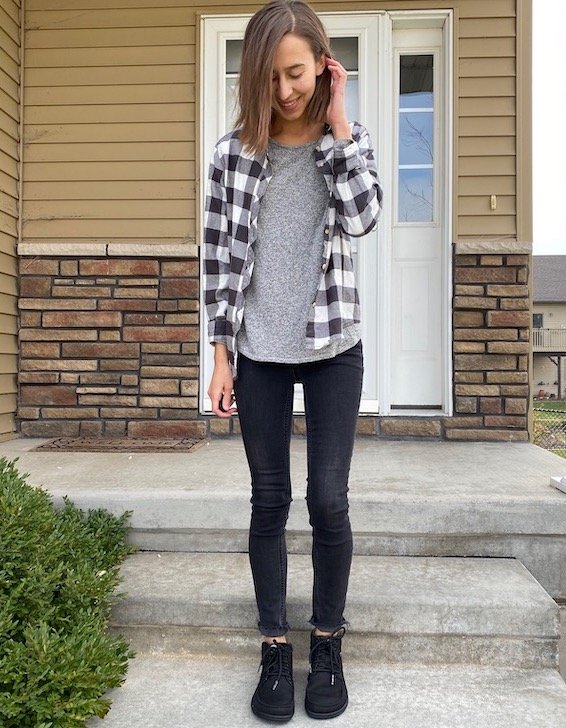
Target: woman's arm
pixel 216 258
pixel 216 276
pixel 357 190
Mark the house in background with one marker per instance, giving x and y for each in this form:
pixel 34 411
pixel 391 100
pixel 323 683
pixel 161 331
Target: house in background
pixel 549 326
pixel 109 112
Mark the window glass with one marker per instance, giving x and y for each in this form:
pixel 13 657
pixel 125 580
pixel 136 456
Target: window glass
pixel 416 81
pixel 233 55
pixel 415 138
pixel 345 50
pixel 415 195
pixel 415 201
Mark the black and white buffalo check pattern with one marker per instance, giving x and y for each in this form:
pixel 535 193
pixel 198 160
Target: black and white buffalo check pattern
pixel 236 183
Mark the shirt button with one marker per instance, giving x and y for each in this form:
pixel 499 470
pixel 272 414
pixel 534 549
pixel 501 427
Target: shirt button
pixel 313 304
pixel 326 231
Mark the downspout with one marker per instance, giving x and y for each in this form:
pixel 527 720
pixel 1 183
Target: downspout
pixel 19 205
pixel 21 127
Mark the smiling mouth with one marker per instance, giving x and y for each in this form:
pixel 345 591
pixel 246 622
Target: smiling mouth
pixel 289 105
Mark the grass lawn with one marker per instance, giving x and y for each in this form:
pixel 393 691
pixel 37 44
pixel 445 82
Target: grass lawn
pixel 550 426
pixel 550 404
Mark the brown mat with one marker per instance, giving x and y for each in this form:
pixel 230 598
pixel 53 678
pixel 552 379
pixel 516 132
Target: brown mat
pixel 122 444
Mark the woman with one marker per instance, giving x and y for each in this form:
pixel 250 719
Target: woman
pixel 286 190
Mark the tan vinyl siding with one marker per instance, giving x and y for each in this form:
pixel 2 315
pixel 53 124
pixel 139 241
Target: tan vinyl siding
pixel 9 136
pixel 110 122
pixel 485 107
pixel 111 116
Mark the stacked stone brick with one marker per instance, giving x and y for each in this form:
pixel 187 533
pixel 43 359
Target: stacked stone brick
pixel 109 347
pixel 491 311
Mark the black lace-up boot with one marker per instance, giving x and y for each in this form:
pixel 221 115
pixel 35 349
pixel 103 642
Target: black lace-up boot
pixel 274 698
pixel 326 695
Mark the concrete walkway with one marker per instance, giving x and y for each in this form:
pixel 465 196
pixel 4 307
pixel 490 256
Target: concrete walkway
pixel 215 693
pixel 406 497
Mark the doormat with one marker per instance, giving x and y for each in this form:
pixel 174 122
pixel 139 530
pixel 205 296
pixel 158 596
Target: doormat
pixel 123 444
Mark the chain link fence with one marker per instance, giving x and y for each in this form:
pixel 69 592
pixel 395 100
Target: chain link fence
pixel 550 430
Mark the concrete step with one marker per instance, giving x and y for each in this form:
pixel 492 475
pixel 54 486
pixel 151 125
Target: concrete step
pixel 407 498
pixel 484 611
pixel 169 691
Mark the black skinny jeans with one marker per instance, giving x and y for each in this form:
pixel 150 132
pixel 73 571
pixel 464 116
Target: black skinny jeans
pixel 264 396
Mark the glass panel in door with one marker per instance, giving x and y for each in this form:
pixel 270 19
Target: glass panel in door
pixel 416 135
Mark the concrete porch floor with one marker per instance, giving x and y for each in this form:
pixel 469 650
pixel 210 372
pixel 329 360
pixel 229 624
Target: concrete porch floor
pixel 395 468
pixel 397 485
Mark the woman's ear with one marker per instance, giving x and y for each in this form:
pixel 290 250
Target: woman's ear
pixel 320 65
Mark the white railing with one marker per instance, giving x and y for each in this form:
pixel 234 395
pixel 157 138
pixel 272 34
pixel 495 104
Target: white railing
pixel 549 340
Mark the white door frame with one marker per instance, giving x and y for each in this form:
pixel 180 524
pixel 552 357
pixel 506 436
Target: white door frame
pixel 420 19
pixel 214 31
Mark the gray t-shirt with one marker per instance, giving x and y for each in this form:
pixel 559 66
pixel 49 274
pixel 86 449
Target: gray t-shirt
pixel 288 257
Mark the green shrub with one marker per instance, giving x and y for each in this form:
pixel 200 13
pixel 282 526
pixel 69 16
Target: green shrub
pixel 58 571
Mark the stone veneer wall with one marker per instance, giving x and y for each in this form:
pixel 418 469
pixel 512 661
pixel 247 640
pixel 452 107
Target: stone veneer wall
pixel 109 346
pixel 492 348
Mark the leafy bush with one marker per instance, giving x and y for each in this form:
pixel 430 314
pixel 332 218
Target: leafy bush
pixel 58 572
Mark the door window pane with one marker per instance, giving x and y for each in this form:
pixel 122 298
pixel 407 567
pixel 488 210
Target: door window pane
pixel 416 139
pixel 415 195
pixel 233 55
pixel 416 81
pixel 345 50
pixel 231 101
pixel 352 98
pixel 233 59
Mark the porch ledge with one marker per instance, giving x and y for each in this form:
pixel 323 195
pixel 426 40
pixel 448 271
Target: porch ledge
pixel 122 250
pixel 480 247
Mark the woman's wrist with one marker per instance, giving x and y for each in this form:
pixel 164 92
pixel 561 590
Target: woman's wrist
pixel 220 353
pixel 341 130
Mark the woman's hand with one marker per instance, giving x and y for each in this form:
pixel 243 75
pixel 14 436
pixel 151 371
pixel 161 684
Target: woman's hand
pixel 221 389
pixel 336 112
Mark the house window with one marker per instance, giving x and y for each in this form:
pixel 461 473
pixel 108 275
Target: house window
pixel 537 320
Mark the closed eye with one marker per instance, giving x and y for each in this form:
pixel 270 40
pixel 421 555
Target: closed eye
pixel 290 76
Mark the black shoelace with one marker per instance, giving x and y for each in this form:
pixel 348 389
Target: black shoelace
pixel 275 662
pixel 325 657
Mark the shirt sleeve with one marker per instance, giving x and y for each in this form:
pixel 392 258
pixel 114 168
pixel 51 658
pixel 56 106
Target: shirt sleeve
pixel 216 258
pixel 357 189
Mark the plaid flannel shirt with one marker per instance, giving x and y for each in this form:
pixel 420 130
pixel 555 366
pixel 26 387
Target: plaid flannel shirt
pixel 237 181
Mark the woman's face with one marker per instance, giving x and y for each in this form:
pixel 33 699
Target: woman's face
pixel 294 77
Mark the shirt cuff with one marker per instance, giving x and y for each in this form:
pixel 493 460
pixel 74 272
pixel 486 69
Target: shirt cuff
pixel 346 156
pixel 218 331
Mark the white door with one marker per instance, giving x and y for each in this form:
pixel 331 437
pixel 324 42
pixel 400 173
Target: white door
pixel 399 87
pixel 417 241
pixel 352 38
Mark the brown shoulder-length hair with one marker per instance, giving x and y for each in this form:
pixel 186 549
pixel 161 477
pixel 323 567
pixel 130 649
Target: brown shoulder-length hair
pixel 263 34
